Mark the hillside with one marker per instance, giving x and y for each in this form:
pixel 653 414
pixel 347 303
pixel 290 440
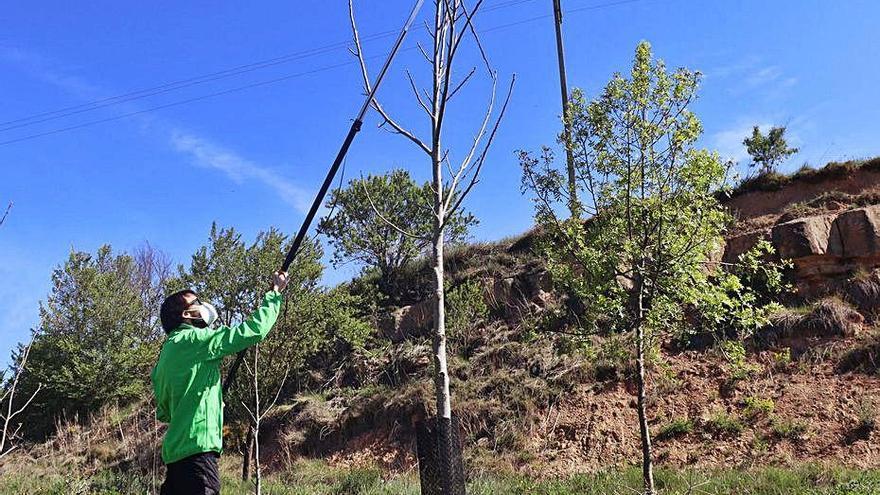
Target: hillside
pixel 531 401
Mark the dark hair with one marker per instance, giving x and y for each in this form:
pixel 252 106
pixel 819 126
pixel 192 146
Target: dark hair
pixel 172 309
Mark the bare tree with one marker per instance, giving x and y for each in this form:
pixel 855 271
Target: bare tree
pixel 9 412
pixel 453 23
pixel 152 271
pixel 257 412
pixel 6 213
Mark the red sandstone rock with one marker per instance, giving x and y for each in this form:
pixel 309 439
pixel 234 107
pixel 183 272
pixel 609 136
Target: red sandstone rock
pixel 803 237
pixel 858 233
pixel 736 246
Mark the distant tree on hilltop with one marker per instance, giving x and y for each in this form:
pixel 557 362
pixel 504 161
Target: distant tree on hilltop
pixel 768 151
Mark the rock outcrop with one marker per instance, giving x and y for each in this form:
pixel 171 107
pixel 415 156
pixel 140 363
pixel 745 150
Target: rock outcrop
pixel 507 297
pixel 824 248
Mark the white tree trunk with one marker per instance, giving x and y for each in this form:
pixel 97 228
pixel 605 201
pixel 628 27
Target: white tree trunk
pixel 441 372
pixel 258 479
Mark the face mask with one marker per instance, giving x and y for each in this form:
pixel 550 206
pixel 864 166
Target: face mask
pixel 207 315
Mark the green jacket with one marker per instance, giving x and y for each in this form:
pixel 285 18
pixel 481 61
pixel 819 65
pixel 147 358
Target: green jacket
pixel 186 380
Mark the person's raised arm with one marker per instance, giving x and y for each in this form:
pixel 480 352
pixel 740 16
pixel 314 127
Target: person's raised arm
pixel 229 340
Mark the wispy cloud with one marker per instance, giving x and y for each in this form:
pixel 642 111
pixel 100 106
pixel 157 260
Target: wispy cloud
pixel 201 150
pixel 769 76
pixel 42 69
pixel 729 142
pixel 752 75
pixel 205 153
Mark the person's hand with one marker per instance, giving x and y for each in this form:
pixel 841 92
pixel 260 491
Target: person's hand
pixel 279 281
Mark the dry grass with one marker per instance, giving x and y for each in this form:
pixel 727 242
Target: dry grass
pixel 863 291
pixel 864 357
pixel 773 181
pixel 120 439
pixel 829 317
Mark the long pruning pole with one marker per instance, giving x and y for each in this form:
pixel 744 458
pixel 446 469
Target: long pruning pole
pixel 319 198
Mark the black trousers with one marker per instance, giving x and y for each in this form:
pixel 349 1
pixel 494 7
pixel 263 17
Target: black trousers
pixel 194 475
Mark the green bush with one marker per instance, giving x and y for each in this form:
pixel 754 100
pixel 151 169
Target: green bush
pixel 755 407
pixel 734 353
pixel 98 338
pixel 357 481
pixel 722 424
pixel 791 429
pixel 676 428
pixel 465 307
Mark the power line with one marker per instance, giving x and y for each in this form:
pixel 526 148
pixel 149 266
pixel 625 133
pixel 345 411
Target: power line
pixel 285 78
pixel 179 102
pixel 569 11
pixel 173 86
pixel 202 79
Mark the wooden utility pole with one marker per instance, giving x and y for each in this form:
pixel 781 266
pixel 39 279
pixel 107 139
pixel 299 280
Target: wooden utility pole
pixel 563 86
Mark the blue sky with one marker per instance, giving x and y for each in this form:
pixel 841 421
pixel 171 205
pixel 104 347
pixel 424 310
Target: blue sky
pixel 253 158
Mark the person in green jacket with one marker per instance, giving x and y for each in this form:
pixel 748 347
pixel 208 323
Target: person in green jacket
pixel 186 384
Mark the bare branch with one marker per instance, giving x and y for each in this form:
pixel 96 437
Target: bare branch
pixel 366 79
pixel 246 408
pixel 448 163
pixel 9 395
pixel 424 53
pixel 479 166
pixel 415 91
pixel 277 393
pixel 9 451
pixel 464 167
pixel 470 26
pixel 462 83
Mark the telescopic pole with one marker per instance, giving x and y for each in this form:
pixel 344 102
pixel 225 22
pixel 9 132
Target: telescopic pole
pixel 319 198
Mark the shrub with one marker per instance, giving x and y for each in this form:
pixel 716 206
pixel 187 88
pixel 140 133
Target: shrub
pixel 829 317
pixel 768 181
pixel 754 407
pixel 865 357
pixel 863 291
pixel 722 424
pixel 465 307
pixel 676 428
pixel 735 354
pixel 867 412
pixel 357 481
pixel 782 359
pixel 790 429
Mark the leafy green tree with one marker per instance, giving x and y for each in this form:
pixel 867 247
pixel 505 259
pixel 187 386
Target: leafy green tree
pixel 768 151
pixel 99 336
pixel 385 222
pixel 644 256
